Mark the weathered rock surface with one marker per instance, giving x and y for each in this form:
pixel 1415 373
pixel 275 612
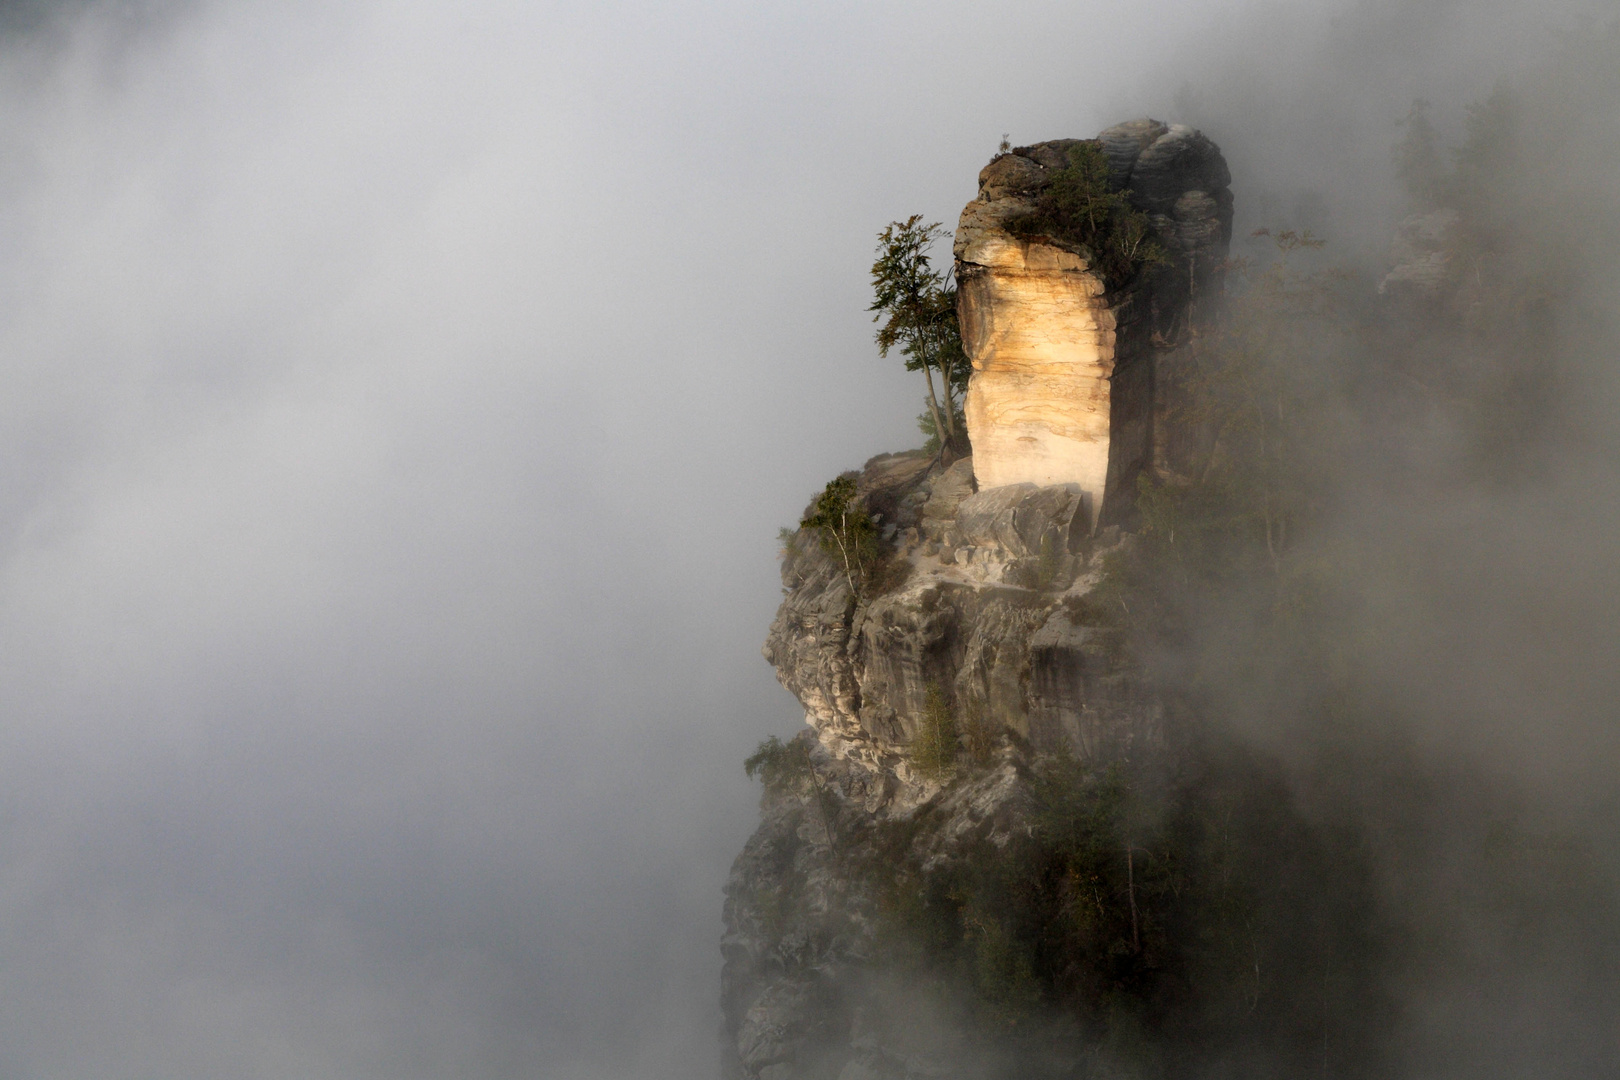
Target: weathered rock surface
pixel 1421 262
pixel 1042 340
pixel 987 614
pixel 804 987
pixel 988 611
pixel 984 573
pixel 1066 386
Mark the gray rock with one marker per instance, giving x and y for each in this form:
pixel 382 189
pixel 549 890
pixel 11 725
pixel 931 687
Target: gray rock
pixel 1011 174
pixel 1123 143
pixel 1180 160
pixel 777 1024
pixel 946 492
pixel 1019 518
pixel 1196 222
pixel 1420 255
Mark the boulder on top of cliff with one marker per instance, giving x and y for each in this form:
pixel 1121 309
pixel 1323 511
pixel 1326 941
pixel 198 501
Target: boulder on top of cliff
pixel 1021 519
pixel 1053 154
pixel 1123 143
pixel 1012 174
pixel 1182 159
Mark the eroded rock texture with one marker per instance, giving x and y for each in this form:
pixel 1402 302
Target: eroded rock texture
pixel 989 610
pixel 990 613
pixel 984 616
pixel 812 988
pixel 1074 383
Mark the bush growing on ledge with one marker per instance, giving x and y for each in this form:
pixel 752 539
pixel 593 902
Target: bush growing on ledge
pixel 846 531
pixel 782 767
pixel 1077 206
pixel 785 770
pixel 933 751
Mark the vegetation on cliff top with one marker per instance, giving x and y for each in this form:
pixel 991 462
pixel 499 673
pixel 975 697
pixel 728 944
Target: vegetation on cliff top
pixel 1078 206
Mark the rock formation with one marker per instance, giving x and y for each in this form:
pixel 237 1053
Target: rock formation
pixel 1082 800
pixel 993 620
pixel 989 619
pixel 980 617
pixel 1074 382
pixel 1421 263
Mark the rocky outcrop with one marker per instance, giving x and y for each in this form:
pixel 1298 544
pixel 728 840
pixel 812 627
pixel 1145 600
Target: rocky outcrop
pixel 812 985
pixel 988 610
pixel 1420 257
pixel 984 616
pixel 1074 382
pixel 873 922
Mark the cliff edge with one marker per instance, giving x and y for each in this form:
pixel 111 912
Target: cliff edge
pixel 957 873
pixel 985 637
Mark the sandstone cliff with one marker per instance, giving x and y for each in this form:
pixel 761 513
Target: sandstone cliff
pixel 1183 829
pixel 1075 381
pixel 986 616
pixel 1086 886
pixel 992 620
pixel 872 857
pixel 1000 851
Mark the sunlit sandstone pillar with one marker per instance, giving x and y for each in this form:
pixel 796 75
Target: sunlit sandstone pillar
pixel 1065 385
pixel 1041 338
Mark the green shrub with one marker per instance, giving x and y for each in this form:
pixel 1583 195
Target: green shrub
pixel 782 767
pixel 934 748
pixel 1078 207
pixel 847 532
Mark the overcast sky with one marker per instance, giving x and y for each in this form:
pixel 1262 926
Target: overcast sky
pixel 400 402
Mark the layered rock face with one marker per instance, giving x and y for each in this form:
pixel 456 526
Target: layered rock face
pixel 1066 385
pixel 1041 335
pixel 991 617
pixel 986 618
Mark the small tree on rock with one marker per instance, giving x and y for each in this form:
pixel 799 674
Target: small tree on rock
pixel 917 305
pixel 846 530
pixel 933 749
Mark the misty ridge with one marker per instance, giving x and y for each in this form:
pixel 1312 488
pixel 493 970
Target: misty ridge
pixel 1297 757
pixel 401 401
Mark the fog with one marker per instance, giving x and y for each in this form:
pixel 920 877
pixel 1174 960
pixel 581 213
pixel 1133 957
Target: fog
pixel 401 403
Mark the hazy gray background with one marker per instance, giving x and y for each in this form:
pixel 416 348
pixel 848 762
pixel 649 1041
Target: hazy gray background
pixel 400 401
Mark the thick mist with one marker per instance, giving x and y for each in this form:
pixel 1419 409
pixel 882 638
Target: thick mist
pixel 1468 739
pixel 402 400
